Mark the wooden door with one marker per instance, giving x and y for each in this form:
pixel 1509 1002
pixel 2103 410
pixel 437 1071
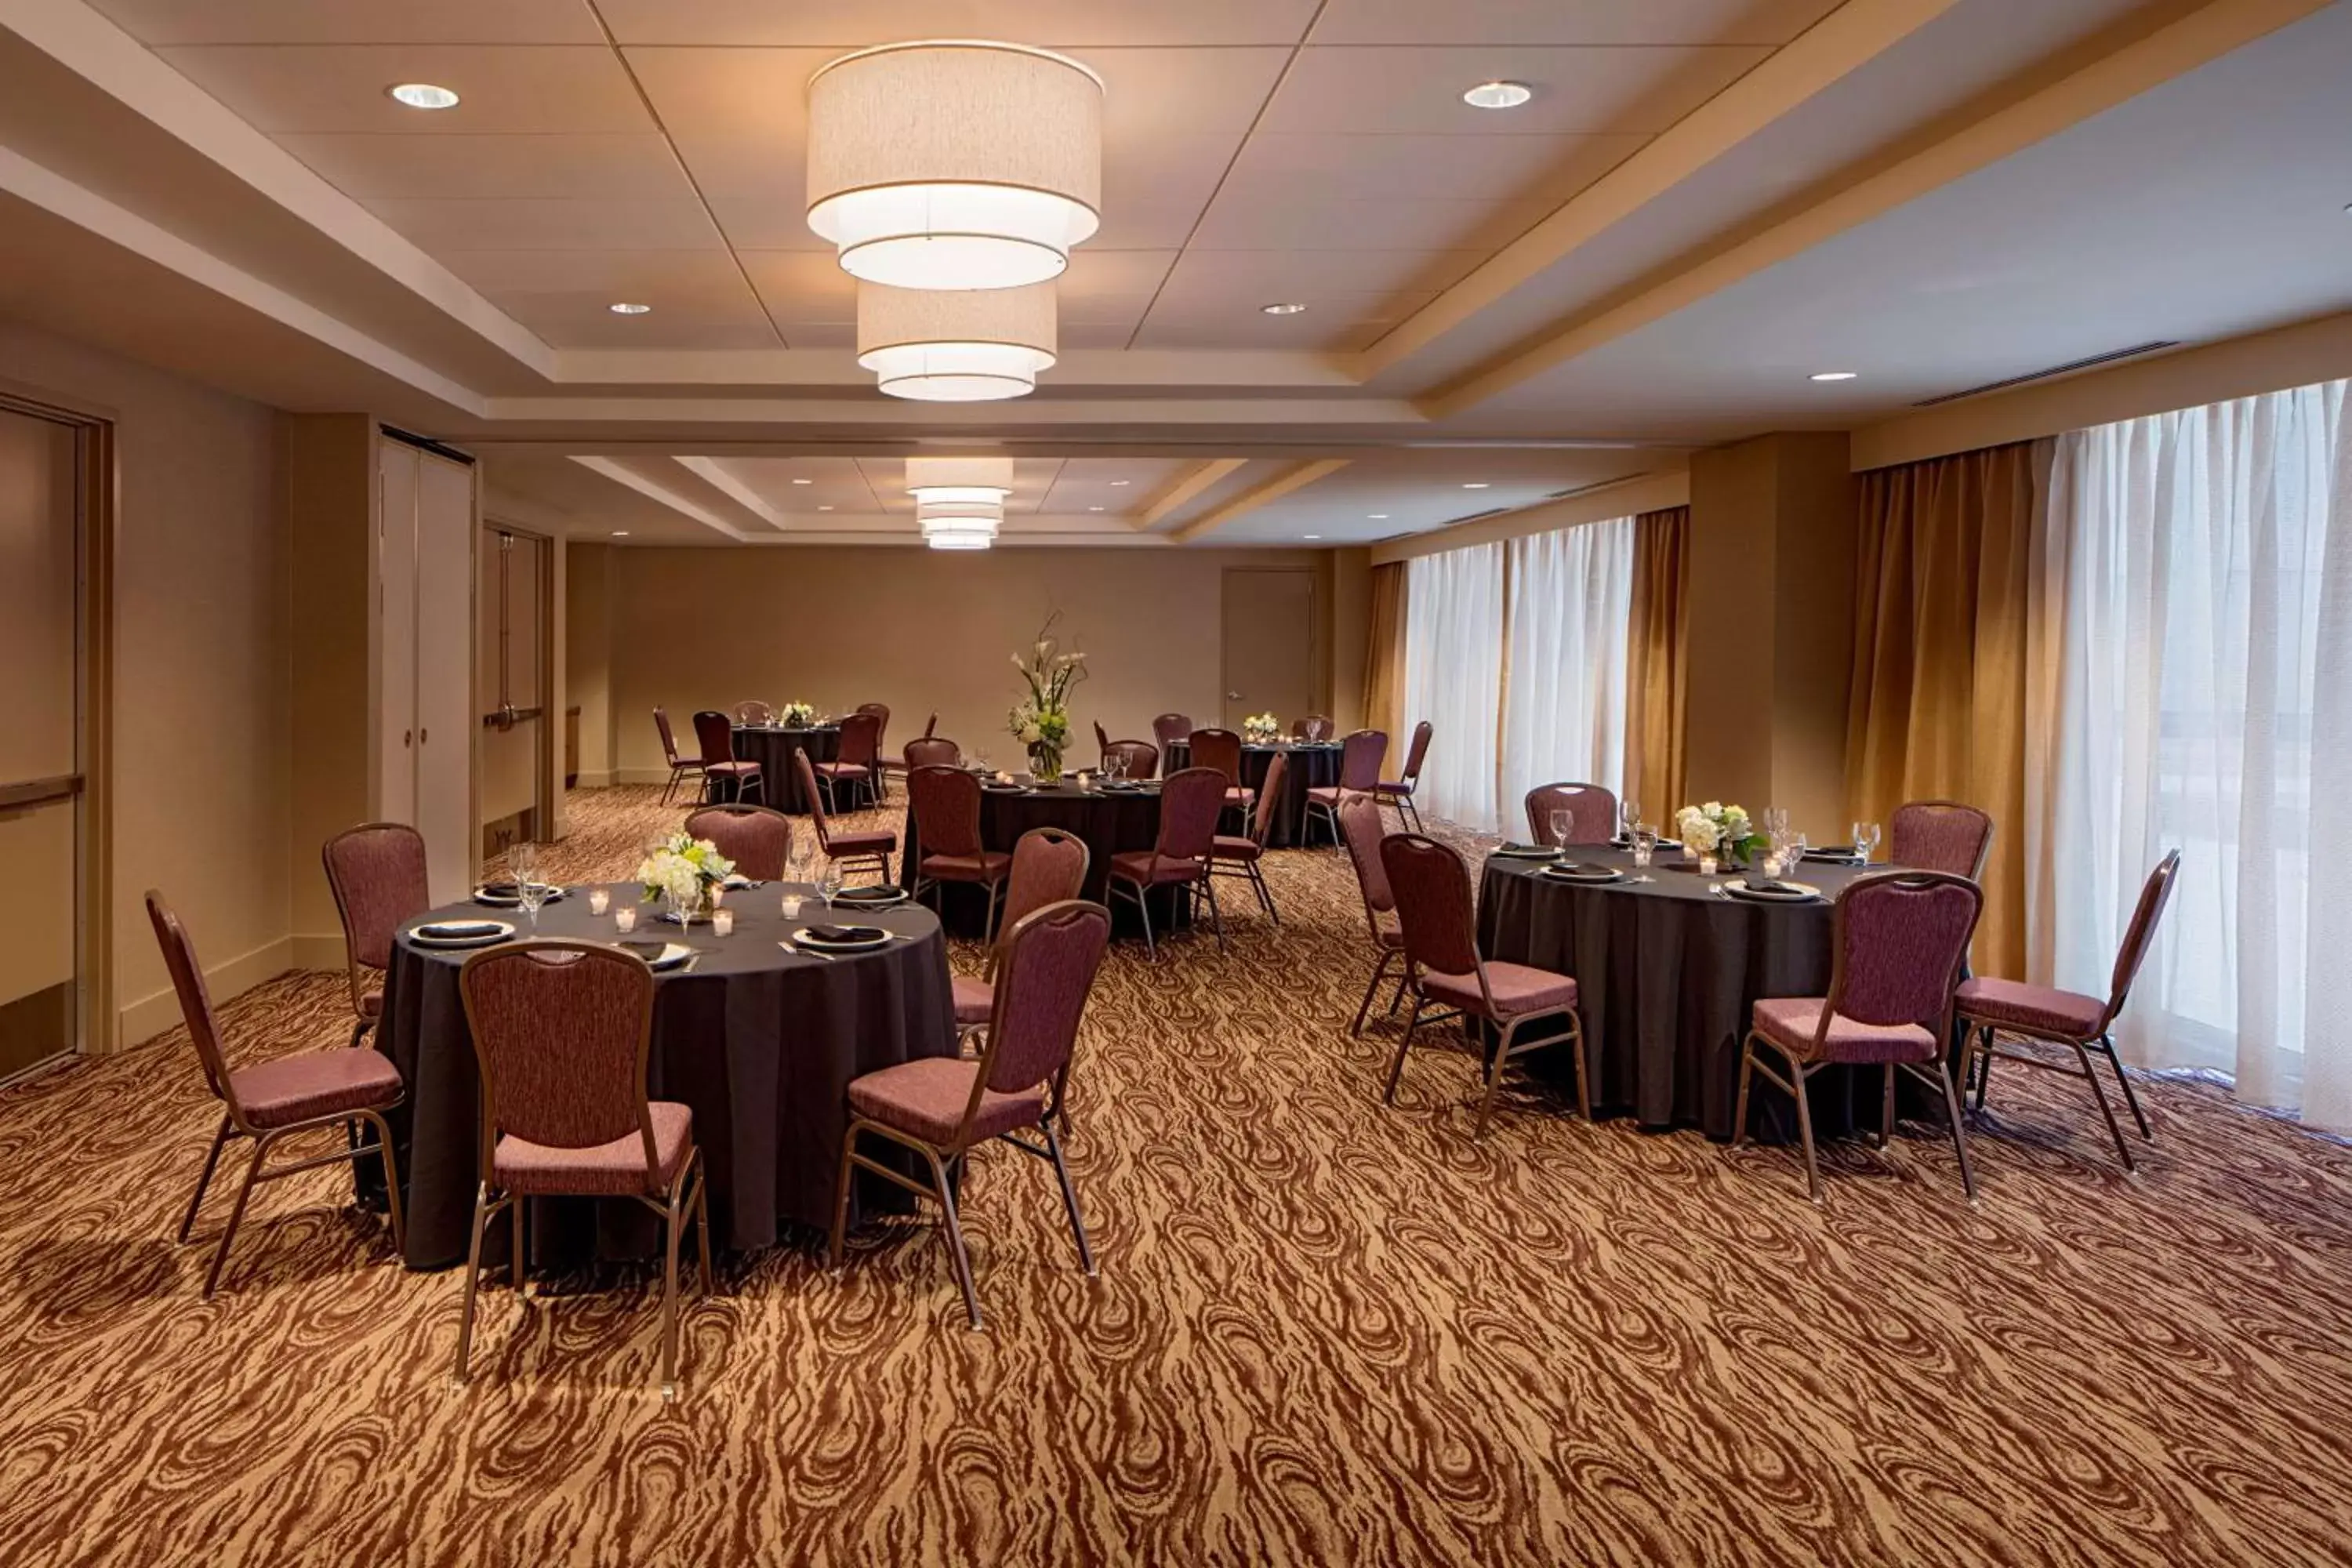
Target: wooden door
pixel 1270 627
pixel 394 643
pixel 447 724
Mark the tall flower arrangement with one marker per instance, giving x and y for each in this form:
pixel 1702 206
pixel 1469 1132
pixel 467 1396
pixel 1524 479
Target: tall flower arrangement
pixel 682 870
pixel 1042 723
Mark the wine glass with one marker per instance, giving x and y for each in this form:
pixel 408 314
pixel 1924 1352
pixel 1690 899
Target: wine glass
pixel 828 881
pixel 1865 839
pixel 530 893
pixel 1564 823
pixel 1629 816
pixel 1645 845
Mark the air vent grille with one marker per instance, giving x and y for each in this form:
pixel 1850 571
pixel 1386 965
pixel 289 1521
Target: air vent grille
pixel 2066 369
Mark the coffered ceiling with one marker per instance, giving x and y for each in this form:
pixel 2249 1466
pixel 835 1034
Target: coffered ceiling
pixel 1705 201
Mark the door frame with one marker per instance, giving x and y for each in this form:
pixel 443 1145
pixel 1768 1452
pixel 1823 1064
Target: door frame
pixel 98 1023
pixel 1319 672
pixel 544 792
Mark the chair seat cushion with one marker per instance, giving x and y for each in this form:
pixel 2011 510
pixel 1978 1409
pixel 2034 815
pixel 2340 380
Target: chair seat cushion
pixel 1231 847
pixel 844 770
pixel 1517 989
pixel 2032 1009
pixel 736 770
pixel 975 1000
pixel 926 1099
pixel 372 1004
pixel 876 841
pixel 1790 1021
pixel 1391 939
pixel 987 866
pixel 1238 797
pixel 1325 794
pixel 1392 787
pixel 1142 866
pixel 316 1083
pixel 602 1170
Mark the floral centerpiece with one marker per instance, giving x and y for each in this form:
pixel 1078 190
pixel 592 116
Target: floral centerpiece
pixel 1261 729
pixel 797 715
pixel 1714 829
pixel 682 871
pixel 1042 723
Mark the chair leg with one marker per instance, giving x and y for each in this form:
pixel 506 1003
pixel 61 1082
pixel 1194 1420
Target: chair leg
pixel 1984 1066
pixel 841 1197
pixel 1069 1198
pixel 1217 918
pixel 1379 972
pixel 473 1280
pixel 988 926
pixel 1885 1103
pixel 391 1182
pixel 962 1259
pixel 2115 1062
pixel 1805 1132
pixel 1739 1107
pixel 204 1178
pixel 1494 1076
pixel 519 1239
pixel 702 1229
pixel 237 1214
pixel 1264 893
pixel 1959 1133
pixel 1404 1043
pixel 1415 811
pixel 673 1221
pixel 1143 908
pixel 1583 1073
pixel 2099 1093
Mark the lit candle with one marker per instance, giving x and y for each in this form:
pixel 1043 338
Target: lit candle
pixel 1706 865
pixel 624 918
pixel 599 901
pixel 792 906
pixel 722 922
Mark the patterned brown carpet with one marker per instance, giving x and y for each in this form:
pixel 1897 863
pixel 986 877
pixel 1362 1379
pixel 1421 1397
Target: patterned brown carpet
pixel 1324 1332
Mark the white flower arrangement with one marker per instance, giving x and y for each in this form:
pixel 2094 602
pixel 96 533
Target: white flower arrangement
pixel 1261 729
pixel 1716 829
pixel 797 715
pixel 1043 722
pixel 683 869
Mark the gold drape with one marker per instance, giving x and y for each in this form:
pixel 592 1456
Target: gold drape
pixel 1384 662
pixel 1938 708
pixel 1657 662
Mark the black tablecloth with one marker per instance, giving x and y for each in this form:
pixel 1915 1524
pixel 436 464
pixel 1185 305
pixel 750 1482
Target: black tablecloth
pixel 1109 822
pixel 774 749
pixel 1666 972
pixel 760 1041
pixel 1311 767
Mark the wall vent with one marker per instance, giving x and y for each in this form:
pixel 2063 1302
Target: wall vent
pixel 2066 369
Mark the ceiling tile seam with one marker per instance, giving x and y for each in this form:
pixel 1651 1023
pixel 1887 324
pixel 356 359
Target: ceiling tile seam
pixel 686 170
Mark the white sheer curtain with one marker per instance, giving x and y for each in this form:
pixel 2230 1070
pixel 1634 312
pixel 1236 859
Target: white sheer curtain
pixel 1453 677
pixel 1570 599
pixel 2195 692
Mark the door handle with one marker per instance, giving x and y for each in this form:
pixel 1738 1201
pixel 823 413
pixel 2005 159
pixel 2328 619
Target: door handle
pixel 423 736
pixel 1233 697
pixel 407 738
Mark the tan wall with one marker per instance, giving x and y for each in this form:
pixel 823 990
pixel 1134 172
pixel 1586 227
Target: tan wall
pixel 921 630
pixel 200 728
pixel 1351 623
pixel 588 656
pixel 330 483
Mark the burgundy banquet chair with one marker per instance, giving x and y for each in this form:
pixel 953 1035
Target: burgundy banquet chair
pixel 1898 940
pixel 758 838
pixel 276 1100
pixel 1940 836
pixel 716 735
pixel 1049 866
pixel 1190 804
pixel 943 805
pixel 858 762
pixel 867 850
pixel 1141 758
pixel 881 771
pixel 754 712
pixel 1988 1007
pixel 1591 812
pixel 1169 727
pixel 1312 727
pixel 679 767
pixel 931 752
pixel 1399 792
pixel 1240 855
pixel 1360 773
pixel 1443 968
pixel 377 875
pixel 1361 828
pixel 1221 750
pixel 942 1108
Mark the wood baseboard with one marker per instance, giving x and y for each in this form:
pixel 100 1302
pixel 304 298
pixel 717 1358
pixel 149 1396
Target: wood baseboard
pixel 149 1017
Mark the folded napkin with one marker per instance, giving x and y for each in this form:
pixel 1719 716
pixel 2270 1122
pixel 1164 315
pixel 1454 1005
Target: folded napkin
pixel 648 951
pixel 871 895
pixel 507 890
pixel 460 927
pixel 1513 848
pixel 1593 868
pixel 846 934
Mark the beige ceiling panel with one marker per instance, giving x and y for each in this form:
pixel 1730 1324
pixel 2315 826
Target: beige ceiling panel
pixel 441 226
pixel 698 299
pixel 1146 224
pixel 795 487
pixel 1237 281
pixel 1077 335
pixel 1616 90
pixel 160 22
pixel 1119 487
pixel 1059 23
pixel 763 223
pixel 802 287
pixel 1340 322
pixel 313 88
pixel 1305 221
pixel 1449 168
pixel 1770 22
pixel 754 96
pixel 558 168
pixel 581 321
pixel 1103 285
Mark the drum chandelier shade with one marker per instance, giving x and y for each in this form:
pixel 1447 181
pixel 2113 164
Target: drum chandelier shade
pixel 960 502
pixel 965 345
pixel 954 165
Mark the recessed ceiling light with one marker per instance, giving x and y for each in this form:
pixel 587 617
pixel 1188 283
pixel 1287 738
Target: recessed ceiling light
pixel 1377 516
pixel 629 308
pixel 1115 484
pixel 1498 95
pixel 1094 509
pixel 620 533
pixel 1835 375
pixel 1311 536
pixel 804 481
pixel 1283 308
pixel 825 508
pixel 1478 485
pixel 423 95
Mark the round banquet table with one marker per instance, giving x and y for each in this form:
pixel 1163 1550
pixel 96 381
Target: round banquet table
pixel 773 747
pixel 1110 822
pixel 761 1040
pixel 1313 765
pixel 1666 972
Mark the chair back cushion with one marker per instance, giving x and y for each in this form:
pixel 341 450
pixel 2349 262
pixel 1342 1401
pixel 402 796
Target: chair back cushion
pixel 1269 798
pixel 377 875
pixel 1190 804
pixel 1313 727
pixel 754 712
pixel 1171 727
pixel 1360 826
pixel 931 752
pixel 1142 757
pixel 1901 939
pixel 758 838
pixel 1048 968
pixel 715 734
pixel 195 1000
pixel 1418 753
pixel 1221 749
pixel 1591 810
pixel 1434 903
pixel 1940 836
pixel 805 771
pixel 1360 761
pixel 944 804
pixel 561 1031
pixel 668 738
pixel 2153 894
pixel 861 738
pixel 1049 866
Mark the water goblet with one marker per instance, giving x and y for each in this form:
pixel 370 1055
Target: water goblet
pixel 1865 839
pixel 530 891
pixel 1629 816
pixel 1563 824
pixel 828 883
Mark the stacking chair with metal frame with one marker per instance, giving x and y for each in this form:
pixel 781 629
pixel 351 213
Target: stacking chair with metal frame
pixel 1940 836
pixel 942 1108
pixel 754 712
pixel 931 752
pixel 1239 855
pixel 881 770
pixel 1049 866
pixel 1591 811
pixel 1361 829
pixel 272 1101
pixel 868 850
pixel 944 807
pixel 858 762
pixel 1141 758
pixel 1313 728
pixel 1988 1007
pixel 1360 773
pixel 562 1033
pixel 758 838
pixel 1191 801
pixel 715 732
pixel 1221 750
pixel 1171 728
pixel 1399 792
pixel 679 767
pixel 377 875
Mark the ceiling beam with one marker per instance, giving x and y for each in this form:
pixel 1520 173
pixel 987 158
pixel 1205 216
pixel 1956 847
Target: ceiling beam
pixel 715 474
pixel 1188 488
pixel 622 474
pixel 1273 490
pixel 2137 67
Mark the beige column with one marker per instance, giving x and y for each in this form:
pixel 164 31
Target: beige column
pixel 1352 609
pixel 1771 630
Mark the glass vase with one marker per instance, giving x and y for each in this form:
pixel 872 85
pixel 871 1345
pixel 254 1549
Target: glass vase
pixel 1046 763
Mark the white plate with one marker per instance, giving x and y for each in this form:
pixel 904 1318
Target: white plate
pixel 1566 874
pixel 548 893
pixel 498 930
pixel 1797 893
pixel 847 899
pixel 1526 852
pixel 882 941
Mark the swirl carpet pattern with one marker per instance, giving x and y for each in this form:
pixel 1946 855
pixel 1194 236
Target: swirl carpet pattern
pixel 1324 1332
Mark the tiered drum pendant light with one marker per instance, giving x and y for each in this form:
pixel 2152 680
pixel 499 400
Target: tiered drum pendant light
pixel 952 179
pixel 960 502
